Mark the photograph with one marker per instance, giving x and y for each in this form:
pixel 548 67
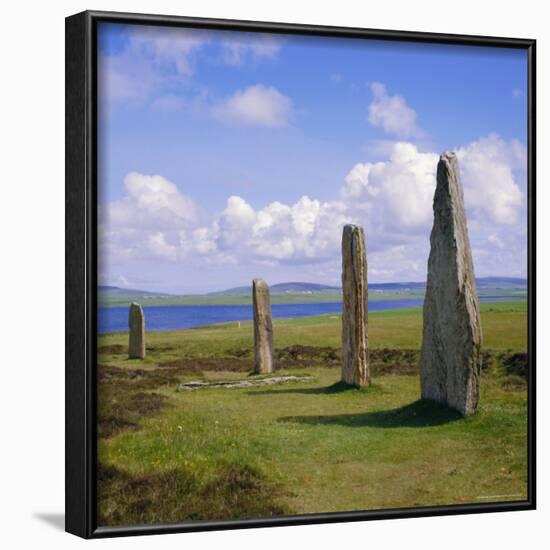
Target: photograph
pixel 313 274
pixel 285 269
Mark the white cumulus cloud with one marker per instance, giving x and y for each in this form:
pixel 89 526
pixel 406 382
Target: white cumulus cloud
pixel 150 200
pixel 157 62
pixel 392 199
pixel 308 230
pixel 158 245
pixel 146 221
pixel 397 192
pixel 239 48
pixel 487 168
pixel 167 45
pixel 392 114
pixel 152 59
pixel 256 105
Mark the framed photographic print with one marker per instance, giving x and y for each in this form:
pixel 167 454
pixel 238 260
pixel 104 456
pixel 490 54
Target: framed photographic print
pixel 300 274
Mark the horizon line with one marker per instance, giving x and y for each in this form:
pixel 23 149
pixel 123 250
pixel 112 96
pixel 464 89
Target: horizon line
pixel 289 282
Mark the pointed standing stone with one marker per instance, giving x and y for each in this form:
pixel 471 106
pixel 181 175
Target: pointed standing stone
pixel 136 322
pixel 355 370
pixel 450 362
pixel 263 327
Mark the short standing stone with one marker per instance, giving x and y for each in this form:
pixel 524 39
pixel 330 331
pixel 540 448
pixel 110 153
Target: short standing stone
pixel 263 327
pixel 355 370
pixel 136 323
pixel 451 343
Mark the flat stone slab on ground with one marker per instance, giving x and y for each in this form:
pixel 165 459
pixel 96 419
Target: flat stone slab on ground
pixel 198 385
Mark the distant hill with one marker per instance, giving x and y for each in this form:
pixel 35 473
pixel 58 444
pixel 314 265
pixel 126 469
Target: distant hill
pixel 300 292
pixel 302 287
pixel 298 287
pixel 279 288
pixel 105 291
pixel 397 286
pixel 493 283
pixel 293 287
pixel 501 282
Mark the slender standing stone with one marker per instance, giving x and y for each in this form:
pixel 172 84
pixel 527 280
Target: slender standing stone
pixel 450 362
pixel 263 327
pixel 136 321
pixel 355 370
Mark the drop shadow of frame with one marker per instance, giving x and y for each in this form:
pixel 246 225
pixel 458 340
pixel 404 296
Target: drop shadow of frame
pixel 57 521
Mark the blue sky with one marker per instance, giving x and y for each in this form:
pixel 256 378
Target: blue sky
pixel 225 156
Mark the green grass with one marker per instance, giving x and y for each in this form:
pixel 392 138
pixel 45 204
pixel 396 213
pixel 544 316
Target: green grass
pixel 303 447
pixel 504 327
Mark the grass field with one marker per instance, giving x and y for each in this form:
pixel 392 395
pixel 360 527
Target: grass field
pixel 315 446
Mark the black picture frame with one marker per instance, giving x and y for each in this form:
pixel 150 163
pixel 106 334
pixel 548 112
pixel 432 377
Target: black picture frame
pixel 81 270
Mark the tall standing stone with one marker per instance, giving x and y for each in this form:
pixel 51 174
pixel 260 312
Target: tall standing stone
pixel 451 344
pixel 136 322
pixel 263 327
pixel 355 370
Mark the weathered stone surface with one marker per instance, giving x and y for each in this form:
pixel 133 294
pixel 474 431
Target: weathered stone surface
pixel 355 370
pixel 263 327
pixel 136 322
pixel 450 361
pixel 199 385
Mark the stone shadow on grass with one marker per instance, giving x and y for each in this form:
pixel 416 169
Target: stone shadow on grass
pixel 338 387
pixel 420 414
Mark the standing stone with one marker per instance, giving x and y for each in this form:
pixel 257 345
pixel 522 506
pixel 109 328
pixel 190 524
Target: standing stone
pixel 136 322
pixel 451 343
pixel 263 327
pixel 355 370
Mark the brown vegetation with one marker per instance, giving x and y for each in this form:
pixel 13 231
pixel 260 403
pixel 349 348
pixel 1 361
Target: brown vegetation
pixel 177 495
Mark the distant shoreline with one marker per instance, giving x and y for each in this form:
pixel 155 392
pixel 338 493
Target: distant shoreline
pixel 235 313
pixel 314 298
pixel 301 293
